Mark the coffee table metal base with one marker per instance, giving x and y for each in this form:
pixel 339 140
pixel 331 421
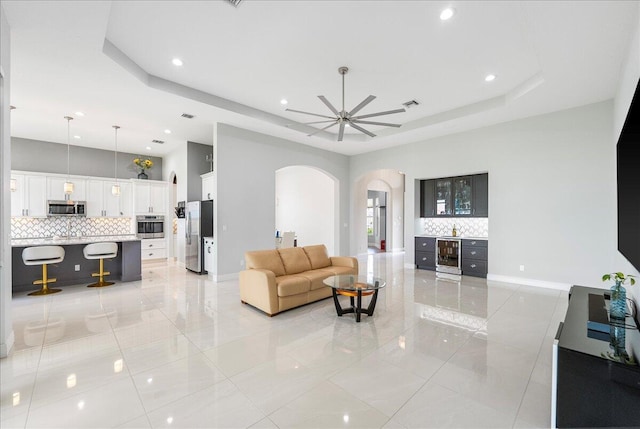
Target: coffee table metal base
pixel 356 307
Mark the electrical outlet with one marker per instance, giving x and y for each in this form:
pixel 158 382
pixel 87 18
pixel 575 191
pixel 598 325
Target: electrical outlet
pixel 77 267
pixel 521 267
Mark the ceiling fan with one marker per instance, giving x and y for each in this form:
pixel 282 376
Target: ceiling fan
pixel 347 119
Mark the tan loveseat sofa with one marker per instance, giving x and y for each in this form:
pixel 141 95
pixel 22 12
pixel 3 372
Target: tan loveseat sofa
pixel 277 280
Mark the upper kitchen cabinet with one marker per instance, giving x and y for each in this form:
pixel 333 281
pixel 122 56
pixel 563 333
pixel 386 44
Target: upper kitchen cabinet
pixel 463 196
pixel 481 195
pixel 55 189
pixel 30 196
pixel 150 196
pixel 102 203
pixel 208 185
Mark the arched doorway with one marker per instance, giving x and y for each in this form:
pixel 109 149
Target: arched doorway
pixel 307 202
pixel 391 183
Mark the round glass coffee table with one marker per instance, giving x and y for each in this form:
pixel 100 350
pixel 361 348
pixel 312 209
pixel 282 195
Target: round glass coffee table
pixel 355 287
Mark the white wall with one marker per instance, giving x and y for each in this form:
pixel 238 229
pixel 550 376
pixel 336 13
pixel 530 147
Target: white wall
pixel 629 75
pixel 246 163
pixel 551 191
pixel 305 203
pixel 176 162
pixel 6 327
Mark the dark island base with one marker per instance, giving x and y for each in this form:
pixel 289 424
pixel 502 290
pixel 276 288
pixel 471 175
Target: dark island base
pixel 126 267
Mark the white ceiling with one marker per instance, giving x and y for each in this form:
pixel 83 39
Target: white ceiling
pixel 239 63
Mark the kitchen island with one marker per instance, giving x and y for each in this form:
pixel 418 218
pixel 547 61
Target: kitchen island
pixel 75 269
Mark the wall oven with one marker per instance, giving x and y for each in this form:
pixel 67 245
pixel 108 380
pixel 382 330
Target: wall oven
pixel 61 208
pixel 150 226
pixel 448 261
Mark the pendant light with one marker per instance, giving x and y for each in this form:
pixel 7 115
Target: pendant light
pixel 68 185
pixel 115 189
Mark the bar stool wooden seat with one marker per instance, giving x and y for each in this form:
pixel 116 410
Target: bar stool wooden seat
pixel 43 255
pixel 101 251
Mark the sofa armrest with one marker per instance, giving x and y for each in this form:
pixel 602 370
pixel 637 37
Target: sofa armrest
pixel 258 288
pixel 345 261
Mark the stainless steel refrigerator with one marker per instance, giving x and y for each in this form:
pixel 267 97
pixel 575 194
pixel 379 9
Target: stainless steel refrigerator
pixel 198 224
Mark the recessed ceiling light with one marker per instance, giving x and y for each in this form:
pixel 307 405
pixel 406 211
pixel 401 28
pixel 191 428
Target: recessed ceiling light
pixel 167 131
pixel 490 77
pixel 447 13
pixel 283 101
pixel 79 114
pixel 148 147
pixel 76 137
pixel 177 62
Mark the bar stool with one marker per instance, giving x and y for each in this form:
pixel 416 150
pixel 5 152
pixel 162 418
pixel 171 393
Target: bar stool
pixel 43 255
pixel 101 251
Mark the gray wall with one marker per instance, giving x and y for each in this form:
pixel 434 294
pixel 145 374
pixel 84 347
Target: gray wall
pixel 551 191
pixel 196 165
pixel 6 328
pixel 84 161
pixel 245 207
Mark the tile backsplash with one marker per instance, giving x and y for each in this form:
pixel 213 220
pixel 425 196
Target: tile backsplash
pixel 57 226
pixel 467 227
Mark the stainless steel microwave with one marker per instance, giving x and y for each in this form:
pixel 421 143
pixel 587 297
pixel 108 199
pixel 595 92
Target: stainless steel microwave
pixel 66 208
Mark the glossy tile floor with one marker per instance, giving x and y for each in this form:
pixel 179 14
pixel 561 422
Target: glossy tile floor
pixel 178 350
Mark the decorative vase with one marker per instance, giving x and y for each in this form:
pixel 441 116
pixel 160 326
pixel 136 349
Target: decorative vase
pixel 143 176
pixel 618 303
pixel 617 340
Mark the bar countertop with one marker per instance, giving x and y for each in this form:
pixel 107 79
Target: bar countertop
pixel 67 241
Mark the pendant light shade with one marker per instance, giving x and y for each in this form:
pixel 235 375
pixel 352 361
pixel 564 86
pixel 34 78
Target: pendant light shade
pixel 68 185
pixel 115 189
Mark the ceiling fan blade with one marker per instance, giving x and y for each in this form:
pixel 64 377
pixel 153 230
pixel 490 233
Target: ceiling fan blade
pixel 329 105
pixel 319 122
pixel 328 126
pixel 364 102
pixel 362 130
pixel 370 115
pixel 341 132
pixel 386 124
pixel 309 113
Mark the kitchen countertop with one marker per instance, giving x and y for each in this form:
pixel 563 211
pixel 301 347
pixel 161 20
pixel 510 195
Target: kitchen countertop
pixel 449 236
pixel 67 241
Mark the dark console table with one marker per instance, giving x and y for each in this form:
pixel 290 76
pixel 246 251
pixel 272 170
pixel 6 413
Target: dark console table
pixel 590 389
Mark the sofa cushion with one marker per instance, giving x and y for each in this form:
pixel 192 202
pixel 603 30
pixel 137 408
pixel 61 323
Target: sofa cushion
pixel 316 277
pixel 317 256
pixel 266 260
pixel 292 285
pixel 339 270
pixel 294 260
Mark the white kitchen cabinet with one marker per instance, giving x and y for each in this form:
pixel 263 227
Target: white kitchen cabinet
pixel 208 185
pixel 30 197
pixel 150 197
pixel 102 203
pixel 209 260
pixel 121 206
pixel 55 188
pixel 153 248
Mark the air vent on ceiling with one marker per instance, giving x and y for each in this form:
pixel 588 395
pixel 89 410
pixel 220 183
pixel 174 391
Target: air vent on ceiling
pixel 410 103
pixel 157 141
pixel 187 115
pixel 234 3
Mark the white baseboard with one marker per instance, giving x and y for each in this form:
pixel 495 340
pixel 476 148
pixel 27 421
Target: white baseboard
pixel 5 348
pixel 529 282
pixel 410 266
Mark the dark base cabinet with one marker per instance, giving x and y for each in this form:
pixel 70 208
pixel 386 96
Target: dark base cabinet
pixel 591 390
pixel 426 253
pixel 474 257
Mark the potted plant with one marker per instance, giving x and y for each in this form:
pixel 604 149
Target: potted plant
pixel 618 308
pixel 143 164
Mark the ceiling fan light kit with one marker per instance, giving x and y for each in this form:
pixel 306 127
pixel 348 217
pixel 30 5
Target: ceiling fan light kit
pixel 348 119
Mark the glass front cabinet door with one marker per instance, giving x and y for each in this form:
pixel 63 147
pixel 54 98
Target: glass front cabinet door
pixel 462 196
pixel 443 197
